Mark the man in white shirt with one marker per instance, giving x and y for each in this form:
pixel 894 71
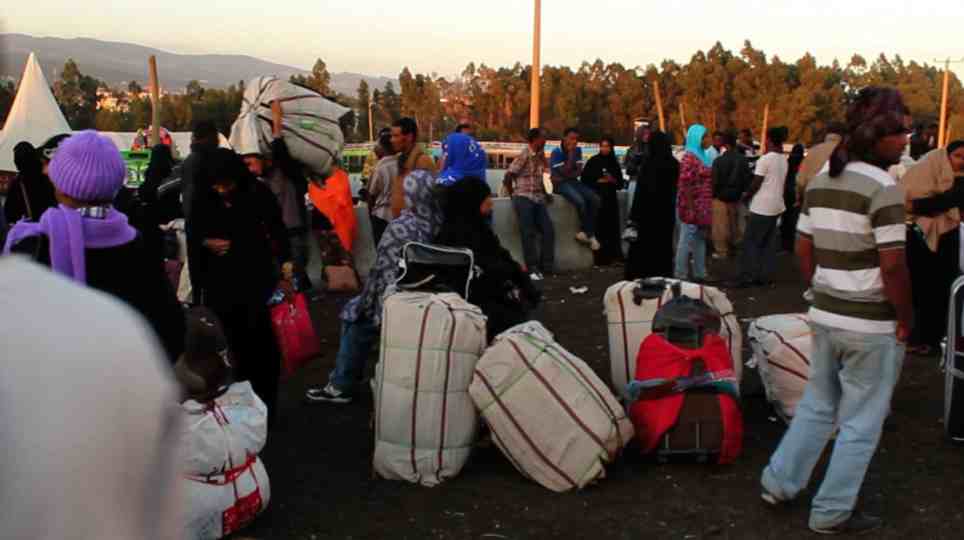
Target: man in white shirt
pixel 766 206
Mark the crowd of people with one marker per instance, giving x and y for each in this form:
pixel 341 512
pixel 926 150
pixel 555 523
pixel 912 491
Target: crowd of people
pixel 247 226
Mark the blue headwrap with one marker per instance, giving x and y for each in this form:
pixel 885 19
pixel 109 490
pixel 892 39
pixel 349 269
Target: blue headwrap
pixel 464 158
pixel 694 143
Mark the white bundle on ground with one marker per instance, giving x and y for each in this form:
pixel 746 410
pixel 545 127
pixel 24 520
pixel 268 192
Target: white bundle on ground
pixel 311 129
pixel 425 422
pixel 629 324
pixel 226 485
pixel 782 345
pixel 549 413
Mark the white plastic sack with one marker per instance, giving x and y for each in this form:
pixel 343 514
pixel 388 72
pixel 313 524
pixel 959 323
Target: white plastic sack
pixel 311 129
pixel 782 345
pixel 425 422
pixel 549 413
pixel 629 324
pixel 225 483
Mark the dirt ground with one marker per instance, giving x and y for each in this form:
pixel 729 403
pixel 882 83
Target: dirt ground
pixel 319 460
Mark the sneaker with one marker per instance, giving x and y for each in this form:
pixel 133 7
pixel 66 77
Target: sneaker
pixel 631 234
pixel 594 244
pixel 328 394
pixel 536 276
pixel 582 237
pixel 772 499
pixel 858 524
pixel 720 256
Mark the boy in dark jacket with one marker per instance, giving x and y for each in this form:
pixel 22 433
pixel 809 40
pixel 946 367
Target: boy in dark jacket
pixel 731 177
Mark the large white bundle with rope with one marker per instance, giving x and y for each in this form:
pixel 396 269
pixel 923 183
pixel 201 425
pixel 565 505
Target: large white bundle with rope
pixel 310 124
pixel 225 483
pixel 425 422
pixel 630 319
pixel 782 345
pixel 549 413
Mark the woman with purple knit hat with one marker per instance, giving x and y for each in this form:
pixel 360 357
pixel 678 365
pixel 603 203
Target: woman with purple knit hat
pixel 84 238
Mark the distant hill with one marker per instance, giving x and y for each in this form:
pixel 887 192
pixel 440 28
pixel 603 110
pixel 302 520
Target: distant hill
pixel 116 63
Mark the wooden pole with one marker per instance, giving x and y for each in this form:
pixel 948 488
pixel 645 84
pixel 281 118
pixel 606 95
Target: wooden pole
pixel 155 102
pixel 659 106
pixel 942 133
pixel 950 131
pixel 536 67
pixel 371 125
pixel 682 118
pixel 763 133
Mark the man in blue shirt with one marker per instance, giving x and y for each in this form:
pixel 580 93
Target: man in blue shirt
pixel 566 164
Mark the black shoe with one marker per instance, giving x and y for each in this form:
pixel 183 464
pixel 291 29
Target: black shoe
pixel 328 394
pixel 859 523
pixel 762 283
pixel 742 284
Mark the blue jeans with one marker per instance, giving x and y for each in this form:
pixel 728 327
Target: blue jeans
pixel 534 219
pixel 692 241
pixel 852 379
pixel 357 339
pixel 585 200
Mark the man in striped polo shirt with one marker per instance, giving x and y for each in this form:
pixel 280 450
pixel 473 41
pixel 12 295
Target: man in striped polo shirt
pixel 851 248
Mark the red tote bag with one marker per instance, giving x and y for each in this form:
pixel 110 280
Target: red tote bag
pixel 295 333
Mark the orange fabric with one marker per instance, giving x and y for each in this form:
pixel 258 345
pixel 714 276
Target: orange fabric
pixel 334 201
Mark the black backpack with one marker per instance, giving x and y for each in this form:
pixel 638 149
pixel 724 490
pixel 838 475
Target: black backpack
pixel 436 269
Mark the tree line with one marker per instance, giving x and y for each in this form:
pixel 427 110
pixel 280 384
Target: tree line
pixel 719 88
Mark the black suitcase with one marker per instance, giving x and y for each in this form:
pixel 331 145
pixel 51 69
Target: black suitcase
pixel 436 269
pixel 698 433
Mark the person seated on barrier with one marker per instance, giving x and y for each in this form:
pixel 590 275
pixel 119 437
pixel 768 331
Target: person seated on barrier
pixel 420 221
pixel 566 163
pixel 525 184
pixel 464 158
pixel 503 289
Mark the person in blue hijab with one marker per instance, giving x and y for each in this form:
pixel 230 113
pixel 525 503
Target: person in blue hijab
pixel 694 206
pixel 695 144
pixel 464 158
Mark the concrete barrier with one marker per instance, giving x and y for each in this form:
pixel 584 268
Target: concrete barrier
pixel 363 248
pixel 571 256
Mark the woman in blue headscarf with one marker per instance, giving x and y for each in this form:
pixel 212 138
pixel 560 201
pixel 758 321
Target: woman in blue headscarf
pixel 464 158
pixel 694 205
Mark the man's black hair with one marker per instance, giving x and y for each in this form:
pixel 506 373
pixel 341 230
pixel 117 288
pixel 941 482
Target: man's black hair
pixel 205 130
pixel 570 130
pixel 407 125
pixel 778 135
pixel 461 127
pixel 746 131
pixel 533 134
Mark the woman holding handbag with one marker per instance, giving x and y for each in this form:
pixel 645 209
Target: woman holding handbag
pixel 238 233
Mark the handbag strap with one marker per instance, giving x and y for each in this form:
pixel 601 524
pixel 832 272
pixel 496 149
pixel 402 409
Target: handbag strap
pixel 26 201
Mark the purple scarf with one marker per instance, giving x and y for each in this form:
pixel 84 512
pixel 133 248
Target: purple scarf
pixel 70 233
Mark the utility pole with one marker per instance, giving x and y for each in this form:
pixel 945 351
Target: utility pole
pixel 942 132
pixel 371 125
pixel 536 67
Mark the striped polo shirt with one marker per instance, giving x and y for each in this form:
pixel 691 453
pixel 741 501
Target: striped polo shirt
pixel 851 219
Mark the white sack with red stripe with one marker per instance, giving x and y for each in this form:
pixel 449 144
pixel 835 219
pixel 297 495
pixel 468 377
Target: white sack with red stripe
pixel 225 484
pixel 310 124
pixel 425 422
pixel 550 414
pixel 629 324
pixel 782 345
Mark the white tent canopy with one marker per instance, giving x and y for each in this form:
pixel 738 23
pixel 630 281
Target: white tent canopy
pixel 34 116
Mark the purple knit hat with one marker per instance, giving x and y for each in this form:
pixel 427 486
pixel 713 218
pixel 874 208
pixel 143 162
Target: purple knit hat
pixel 88 167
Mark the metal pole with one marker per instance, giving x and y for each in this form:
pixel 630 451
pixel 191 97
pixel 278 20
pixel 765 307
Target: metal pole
pixel 536 67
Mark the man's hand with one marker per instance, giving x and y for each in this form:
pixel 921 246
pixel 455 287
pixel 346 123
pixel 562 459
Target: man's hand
pixel 903 332
pixel 218 246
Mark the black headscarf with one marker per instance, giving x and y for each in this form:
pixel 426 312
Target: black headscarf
pixel 30 193
pixel 599 164
pixel 463 224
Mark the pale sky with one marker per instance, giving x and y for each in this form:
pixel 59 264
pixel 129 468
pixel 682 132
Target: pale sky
pixel 380 37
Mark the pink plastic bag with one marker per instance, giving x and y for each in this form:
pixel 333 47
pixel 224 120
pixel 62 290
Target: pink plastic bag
pixel 295 333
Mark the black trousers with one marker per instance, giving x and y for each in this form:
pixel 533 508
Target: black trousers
pixel 931 276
